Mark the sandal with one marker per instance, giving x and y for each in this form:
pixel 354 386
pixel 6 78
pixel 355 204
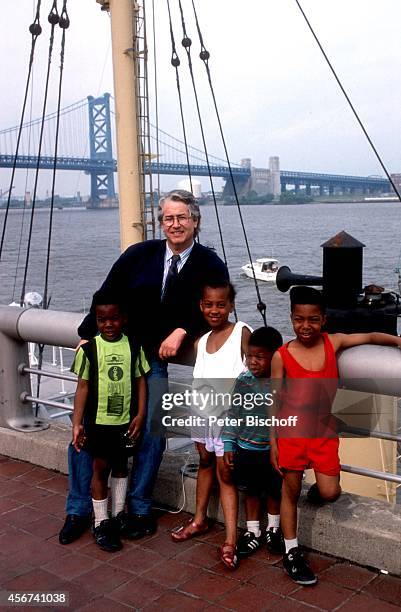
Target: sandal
pixel 191 530
pixel 228 555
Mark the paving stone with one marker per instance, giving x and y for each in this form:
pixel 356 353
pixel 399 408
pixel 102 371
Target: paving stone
pixel 137 593
pixel 15 540
pixel 164 545
pixel 57 484
pixel 171 573
pixel 103 579
pixel 199 554
pixel 387 588
pixel 323 595
pixel 177 602
pixel 11 469
pixel 209 586
pixel 249 597
pixel 44 527
pixel 104 604
pixel 71 565
pixel 21 516
pixel 366 603
pixel 8 503
pixel 347 575
pixel 136 560
pixel 245 571
pixel 274 579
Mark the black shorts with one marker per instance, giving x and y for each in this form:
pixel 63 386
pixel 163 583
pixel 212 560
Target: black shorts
pixel 254 472
pixel 107 442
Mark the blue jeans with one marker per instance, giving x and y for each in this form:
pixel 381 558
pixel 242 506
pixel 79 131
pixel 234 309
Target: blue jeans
pixel 147 459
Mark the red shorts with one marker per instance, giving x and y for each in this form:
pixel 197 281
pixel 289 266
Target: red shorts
pixel 320 454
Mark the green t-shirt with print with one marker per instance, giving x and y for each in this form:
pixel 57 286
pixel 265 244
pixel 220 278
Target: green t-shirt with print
pixel 112 378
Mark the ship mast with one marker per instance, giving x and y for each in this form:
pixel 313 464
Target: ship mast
pixel 122 15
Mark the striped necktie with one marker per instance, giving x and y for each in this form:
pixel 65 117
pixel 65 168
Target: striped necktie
pixel 171 275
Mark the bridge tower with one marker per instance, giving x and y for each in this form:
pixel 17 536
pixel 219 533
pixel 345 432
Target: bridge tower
pixel 103 194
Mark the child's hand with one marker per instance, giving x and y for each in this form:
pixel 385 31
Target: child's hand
pixel 274 458
pixel 78 437
pixel 135 427
pixel 229 459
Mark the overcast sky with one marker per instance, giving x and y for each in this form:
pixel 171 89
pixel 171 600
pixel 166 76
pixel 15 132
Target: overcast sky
pixel 275 92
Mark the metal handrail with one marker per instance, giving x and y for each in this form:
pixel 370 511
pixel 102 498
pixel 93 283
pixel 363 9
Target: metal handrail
pixel 371 473
pixel 23 369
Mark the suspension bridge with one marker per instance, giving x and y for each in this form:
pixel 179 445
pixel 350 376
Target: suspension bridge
pixel 87 142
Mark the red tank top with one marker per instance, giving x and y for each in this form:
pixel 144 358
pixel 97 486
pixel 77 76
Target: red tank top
pixel 309 394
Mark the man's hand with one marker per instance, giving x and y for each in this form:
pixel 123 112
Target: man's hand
pixel 274 457
pixel 229 459
pixel 135 427
pixel 78 437
pixel 170 345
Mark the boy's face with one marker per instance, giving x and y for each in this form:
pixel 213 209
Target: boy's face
pixel 307 322
pixel 216 306
pixel 109 321
pixel 258 360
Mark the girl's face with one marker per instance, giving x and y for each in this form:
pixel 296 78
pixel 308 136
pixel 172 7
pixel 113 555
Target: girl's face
pixel 307 322
pixel 216 306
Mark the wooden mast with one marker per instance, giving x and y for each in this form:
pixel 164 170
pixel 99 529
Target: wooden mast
pixel 122 14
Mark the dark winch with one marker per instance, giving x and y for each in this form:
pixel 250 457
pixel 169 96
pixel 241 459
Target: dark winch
pixel 350 307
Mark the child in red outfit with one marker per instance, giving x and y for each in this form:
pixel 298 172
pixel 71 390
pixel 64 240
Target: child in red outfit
pixel 308 365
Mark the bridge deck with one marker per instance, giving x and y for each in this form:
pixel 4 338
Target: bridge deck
pixel 155 573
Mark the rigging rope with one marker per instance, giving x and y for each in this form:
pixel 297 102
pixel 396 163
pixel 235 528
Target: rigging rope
pixel 175 62
pixel 186 43
pixel 375 151
pixel 204 56
pixel 53 19
pixel 156 97
pixel 35 29
pixel 64 24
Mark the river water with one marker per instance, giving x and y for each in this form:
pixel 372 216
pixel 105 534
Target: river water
pixel 86 243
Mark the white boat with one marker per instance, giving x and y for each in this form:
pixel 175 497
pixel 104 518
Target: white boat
pixel 265 269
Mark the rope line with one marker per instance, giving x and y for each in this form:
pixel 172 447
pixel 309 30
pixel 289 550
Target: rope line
pixel 186 43
pixel 205 56
pixel 35 29
pixel 53 19
pixel 364 130
pixel 156 96
pixel 64 24
pixel 175 62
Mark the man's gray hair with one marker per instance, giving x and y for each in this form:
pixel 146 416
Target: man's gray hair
pixel 181 195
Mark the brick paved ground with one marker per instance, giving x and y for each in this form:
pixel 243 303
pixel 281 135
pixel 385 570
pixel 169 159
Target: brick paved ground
pixel 155 573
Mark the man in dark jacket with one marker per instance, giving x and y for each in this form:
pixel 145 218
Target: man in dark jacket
pixel 160 281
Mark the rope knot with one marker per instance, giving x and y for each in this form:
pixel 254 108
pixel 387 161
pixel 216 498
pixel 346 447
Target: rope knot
pixel 204 55
pixel 186 42
pixel 35 29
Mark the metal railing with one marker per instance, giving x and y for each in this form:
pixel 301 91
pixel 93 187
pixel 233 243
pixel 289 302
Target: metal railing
pixel 18 327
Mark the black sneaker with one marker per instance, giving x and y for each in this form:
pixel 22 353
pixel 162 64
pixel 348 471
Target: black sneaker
pixel 297 568
pixel 275 541
pixel 120 521
pixel 73 528
pixel 247 544
pixel 107 536
pixel 136 526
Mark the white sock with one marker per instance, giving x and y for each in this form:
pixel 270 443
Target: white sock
pixel 253 527
pixel 273 521
pixel 290 544
pixel 118 494
pixel 100 510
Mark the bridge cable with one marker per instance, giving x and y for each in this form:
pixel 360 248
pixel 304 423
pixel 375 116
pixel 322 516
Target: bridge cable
pixel 64 23
pixel 205 56
pixel 375 151
pixel 186 43
pixel 53 19
pixel 35 29
pixel 175 62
